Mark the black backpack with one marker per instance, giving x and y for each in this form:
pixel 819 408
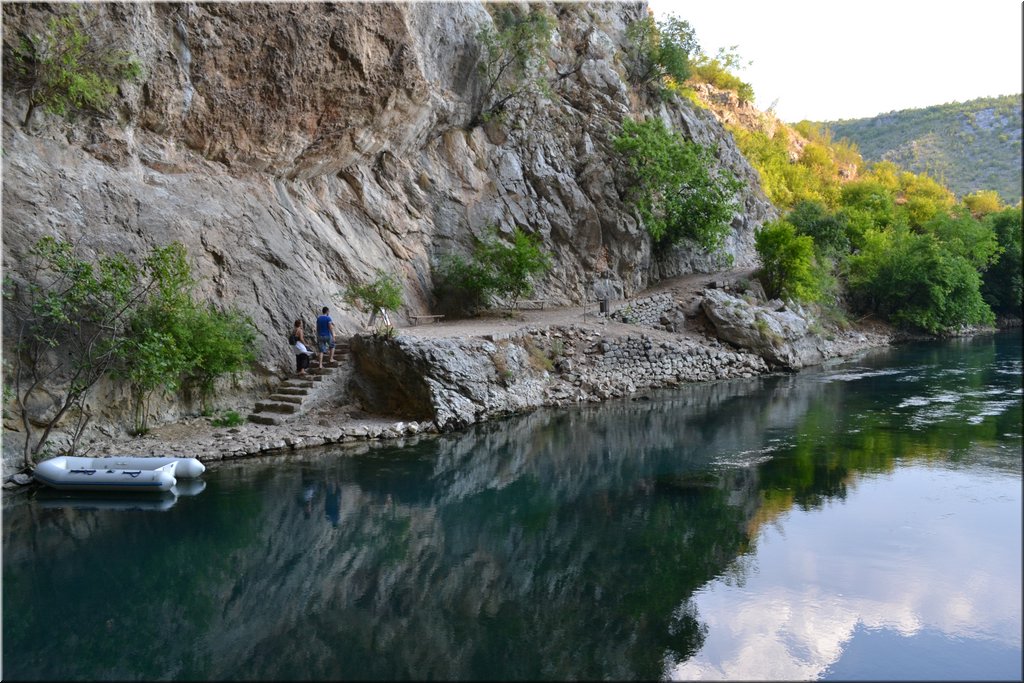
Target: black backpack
pixel 292 339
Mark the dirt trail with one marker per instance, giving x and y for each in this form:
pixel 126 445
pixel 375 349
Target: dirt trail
pixel 685 288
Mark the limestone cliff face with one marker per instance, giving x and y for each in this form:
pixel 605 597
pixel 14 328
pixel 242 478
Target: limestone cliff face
pixel 296 148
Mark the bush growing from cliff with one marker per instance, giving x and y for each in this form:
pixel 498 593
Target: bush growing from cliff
pixel 828 230
pixel 513 55
pixel 497 268
pixel 67 67
pixel 675 185
pixel 176 342
pixel 659 50
pixel 718 71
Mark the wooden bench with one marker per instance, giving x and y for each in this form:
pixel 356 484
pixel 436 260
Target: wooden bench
pixel 427 318
pixel 532 303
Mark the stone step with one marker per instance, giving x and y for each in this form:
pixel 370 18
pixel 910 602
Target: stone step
pixel 318 372
pixel 294 391
pixel 286 398
pixel 298 383
pixel 265 419
pixel 275 407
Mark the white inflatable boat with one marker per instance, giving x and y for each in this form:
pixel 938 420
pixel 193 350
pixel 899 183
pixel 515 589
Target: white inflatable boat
pixel 116 473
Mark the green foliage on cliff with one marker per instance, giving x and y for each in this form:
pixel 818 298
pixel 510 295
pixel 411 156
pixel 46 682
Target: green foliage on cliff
pixel 1003 282
pixel 497 268
pixel 969 146
pixel 812 177
pixel 719 71
pixel 513 57
pixel 80 320
pixel 915 280
pixel 659 50
pixel 897 242
pixel 675 185
pixel 67 68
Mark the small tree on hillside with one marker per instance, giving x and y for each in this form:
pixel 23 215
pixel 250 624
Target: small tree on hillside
pixel 513 266
pixel 787 262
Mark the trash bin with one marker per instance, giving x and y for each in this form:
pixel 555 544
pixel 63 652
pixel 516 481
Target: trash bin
pixel 604 305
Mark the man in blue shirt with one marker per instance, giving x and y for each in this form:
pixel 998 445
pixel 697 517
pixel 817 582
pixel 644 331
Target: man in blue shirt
pixel 325 337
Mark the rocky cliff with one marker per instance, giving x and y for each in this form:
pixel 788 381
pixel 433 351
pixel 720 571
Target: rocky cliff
pixel 296 148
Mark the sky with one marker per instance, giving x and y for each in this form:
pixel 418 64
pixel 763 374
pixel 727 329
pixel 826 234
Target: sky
pixel 826 61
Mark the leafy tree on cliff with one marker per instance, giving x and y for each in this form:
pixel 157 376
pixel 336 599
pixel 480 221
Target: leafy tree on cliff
pixel 660 49
pixel 379 296
pixel 675 185
pixel 513 57
pixel 67 67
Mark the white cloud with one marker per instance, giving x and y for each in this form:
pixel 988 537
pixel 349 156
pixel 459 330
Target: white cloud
pixel 922 549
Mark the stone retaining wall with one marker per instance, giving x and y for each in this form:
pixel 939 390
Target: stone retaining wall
pixel 648 311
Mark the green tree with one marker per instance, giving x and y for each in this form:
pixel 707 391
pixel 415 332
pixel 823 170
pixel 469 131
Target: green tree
pixel 514 266
pixel 828 230
pixel 175 341
pixel 963 235
pixel 79 321
pixel 497 268
pixel 513 56
pixel 71 315
pixel 382 294
pixel 462 286
pixel 787 262
pixel 675 185
pixel 871 200
pixel 218 343
pixel 660 49
pixel 1003 282
pixel 910 279
pixel 983 203
pixel 66 67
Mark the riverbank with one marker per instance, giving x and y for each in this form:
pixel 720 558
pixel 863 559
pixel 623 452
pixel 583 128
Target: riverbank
pixel 478 369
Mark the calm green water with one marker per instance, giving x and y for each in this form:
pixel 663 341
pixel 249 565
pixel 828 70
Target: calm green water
pixel 856 521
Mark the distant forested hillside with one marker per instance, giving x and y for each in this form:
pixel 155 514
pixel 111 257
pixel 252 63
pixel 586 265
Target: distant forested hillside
pixel 967 146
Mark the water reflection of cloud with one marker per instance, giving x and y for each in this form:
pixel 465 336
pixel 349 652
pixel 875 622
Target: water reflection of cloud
pixel 924 549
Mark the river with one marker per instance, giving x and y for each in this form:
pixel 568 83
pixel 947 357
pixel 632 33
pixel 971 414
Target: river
pixel 860 520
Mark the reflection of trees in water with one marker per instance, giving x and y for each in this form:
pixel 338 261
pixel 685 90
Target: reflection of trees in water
pixel 561 544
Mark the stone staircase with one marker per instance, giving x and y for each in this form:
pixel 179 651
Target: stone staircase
pixel 290 397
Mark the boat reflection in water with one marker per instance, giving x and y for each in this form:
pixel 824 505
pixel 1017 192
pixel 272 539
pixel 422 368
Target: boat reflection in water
pixel 96 500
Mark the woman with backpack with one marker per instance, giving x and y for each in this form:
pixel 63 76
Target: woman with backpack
pixel 298 340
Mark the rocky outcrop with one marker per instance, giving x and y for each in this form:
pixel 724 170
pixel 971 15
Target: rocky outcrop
pixel 453 383
pixel 296 149
pixel 778 332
